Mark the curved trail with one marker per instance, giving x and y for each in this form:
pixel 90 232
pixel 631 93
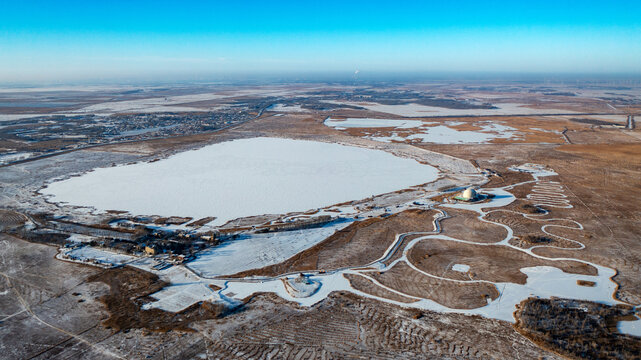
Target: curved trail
pixel 544 193
pixel 542 281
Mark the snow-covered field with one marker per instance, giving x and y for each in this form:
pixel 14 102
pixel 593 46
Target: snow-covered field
pixel 374 123
pixel 242 178
pixel 7 158
pixel 416 110
pixel 286 108
pixel 11 117
pixel 255 251
pixel 175 103
pixel 159 104
pixel 425 132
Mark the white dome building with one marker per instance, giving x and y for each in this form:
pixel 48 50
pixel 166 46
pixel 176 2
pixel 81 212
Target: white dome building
pixel 468 195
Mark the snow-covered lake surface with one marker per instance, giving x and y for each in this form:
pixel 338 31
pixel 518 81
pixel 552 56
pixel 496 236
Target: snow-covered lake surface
pixel 242 178
pixel 374 123
pixel 259 250
pixel 286 108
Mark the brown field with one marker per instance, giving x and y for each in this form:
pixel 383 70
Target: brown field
pixel 345 326
pixel 457 295
pixel 524 227
pixel 465 225
pixel 487 262
pixel 366 285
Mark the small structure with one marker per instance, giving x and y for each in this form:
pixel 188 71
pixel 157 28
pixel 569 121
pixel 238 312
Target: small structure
pixel 630 125
pixel 468 194
pixel 150 250
pixel 301 286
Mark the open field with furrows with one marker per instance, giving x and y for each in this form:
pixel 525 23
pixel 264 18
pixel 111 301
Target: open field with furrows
pixel 358 244
pixel 465 225
pixel 343 326
pixel 10 219
pixel 487 262
pixel 368 286
pixel 347 326
pixel 456 295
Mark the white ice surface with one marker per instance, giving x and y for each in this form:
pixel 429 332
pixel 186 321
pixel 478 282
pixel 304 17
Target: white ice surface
pixel 286 108
pixel 373 123
pixel 258 250
pixel 461 268
pixel 104 257
pixel 79 238
pixel 243 178
pixel 441 134
pixel 7 158
pixel 445 135
pixel 10 117
pixel 630 327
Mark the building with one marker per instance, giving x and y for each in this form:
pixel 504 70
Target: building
pixel 630 125
pixel 150 250
pixel 468 194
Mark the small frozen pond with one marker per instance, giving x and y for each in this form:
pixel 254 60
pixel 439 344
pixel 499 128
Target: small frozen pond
pixel 426 132
pixel 242 178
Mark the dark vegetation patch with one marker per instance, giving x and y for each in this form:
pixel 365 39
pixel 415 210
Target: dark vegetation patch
pixel 577 329
pixel 593 121
pixel 130 289
pixel 532 209
pixel 40 236
pixel 536 239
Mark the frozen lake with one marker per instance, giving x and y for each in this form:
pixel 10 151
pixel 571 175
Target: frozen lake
pixel 242 178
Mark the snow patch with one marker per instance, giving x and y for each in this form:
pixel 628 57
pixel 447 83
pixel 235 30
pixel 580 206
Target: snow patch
pixel 461 268
pixel 255 251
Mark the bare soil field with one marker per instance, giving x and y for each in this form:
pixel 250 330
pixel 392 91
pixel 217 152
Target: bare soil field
pixel 346 326
pixel 530 227
pixel 465 225
pixel 10 219
pixel 457 295
pixel 366 285
pixel 491 263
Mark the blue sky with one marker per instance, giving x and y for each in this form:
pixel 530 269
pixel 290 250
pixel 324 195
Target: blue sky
pixel 76 40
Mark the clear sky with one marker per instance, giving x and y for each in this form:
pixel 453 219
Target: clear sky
pixel 74 40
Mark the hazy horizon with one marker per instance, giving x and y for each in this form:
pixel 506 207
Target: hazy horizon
pixel 72 41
